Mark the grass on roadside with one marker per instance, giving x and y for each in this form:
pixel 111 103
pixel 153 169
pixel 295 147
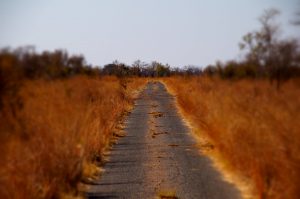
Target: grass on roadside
pixel 254 128
pixel 52 132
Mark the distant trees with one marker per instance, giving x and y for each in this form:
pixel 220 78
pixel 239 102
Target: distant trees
pixel 138 68
pixel 266 55
pixel 272 57
pixel 260 43
pixel 49 65
pixel 24 63
pixel 160 70
pixel 116 68
pixel 192 70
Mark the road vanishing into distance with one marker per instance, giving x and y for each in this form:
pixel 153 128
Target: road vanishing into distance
pixel 158 156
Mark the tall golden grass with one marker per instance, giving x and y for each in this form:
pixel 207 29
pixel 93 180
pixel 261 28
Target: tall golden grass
pixel 254 128
pixel 52 129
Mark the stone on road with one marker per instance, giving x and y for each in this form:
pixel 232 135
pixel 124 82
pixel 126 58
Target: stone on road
pixel 159 156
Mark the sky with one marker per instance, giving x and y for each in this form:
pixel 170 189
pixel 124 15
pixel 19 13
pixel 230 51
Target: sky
pixel 177 32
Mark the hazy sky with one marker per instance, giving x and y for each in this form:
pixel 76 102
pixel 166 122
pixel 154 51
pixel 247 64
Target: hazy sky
pixel 178 32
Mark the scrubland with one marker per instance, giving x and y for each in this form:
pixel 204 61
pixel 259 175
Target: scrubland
pixel 54 132
pixel 252 127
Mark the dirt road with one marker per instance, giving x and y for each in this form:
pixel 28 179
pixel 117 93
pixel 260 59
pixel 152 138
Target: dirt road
pixel 159 156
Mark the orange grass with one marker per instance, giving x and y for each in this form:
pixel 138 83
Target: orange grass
pixel 254 127
pixel 55 128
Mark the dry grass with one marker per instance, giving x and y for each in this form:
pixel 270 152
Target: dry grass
pixel 52 132
pixel 167 194
pixel 254 128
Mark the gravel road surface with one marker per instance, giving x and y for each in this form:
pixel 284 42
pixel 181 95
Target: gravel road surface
pixel 158 156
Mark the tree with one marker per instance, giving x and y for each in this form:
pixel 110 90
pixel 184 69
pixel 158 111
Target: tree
pixel 210 70
pixel 77 63
pixel 285 58
pixel 267 52
pixel 137 67
pixel 259 43
pixel 156 69
pixel 116 68
pixel 192 70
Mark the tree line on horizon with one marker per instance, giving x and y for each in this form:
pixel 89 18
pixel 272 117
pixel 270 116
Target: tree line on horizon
pixel 266 56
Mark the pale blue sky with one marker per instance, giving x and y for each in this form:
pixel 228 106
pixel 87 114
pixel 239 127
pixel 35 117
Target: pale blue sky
pixel 178 32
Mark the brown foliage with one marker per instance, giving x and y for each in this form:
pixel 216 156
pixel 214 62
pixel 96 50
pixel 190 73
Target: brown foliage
pixel 59 125
pixel 252 125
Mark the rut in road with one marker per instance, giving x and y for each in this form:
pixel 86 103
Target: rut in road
pixel 158 155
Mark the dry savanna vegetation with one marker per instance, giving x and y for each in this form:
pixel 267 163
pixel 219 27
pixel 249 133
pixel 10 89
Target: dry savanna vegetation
pixel 59 114
pixel 53 132
pixel 253 128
